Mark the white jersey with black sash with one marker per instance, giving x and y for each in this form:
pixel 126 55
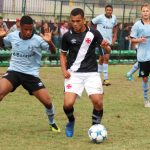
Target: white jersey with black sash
pixel 81 49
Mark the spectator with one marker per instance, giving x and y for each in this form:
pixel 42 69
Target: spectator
pixel 16 26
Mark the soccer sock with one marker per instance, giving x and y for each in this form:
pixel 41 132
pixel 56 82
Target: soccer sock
pixel 100 68
pixel 69 114
pixel 105 71
pixel 133 69
pixel 50 113
pixel 97 116
pixel 145 90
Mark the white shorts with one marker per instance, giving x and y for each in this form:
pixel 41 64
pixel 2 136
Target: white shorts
pixel 78 81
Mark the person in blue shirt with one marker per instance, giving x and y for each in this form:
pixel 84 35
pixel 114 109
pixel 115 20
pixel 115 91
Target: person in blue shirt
pixel 25 64
pixel 106 24
pixel 140 34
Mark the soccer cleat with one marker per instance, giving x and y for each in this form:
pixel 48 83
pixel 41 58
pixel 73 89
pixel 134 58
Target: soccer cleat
pixel 129 77
pixel 146 103
pixel 54 128
pixel 106 82
pixel 70 129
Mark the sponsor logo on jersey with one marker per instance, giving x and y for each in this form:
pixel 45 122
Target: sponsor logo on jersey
pixel 73 41
pixel 40 84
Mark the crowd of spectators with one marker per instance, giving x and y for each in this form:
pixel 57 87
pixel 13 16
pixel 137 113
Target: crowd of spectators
pixel 58 30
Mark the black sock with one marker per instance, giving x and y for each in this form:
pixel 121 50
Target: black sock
pixel 69 114
pixel 97 116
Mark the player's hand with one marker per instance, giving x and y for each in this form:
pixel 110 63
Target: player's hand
pixel 3 33
pixel 106 46
pixel 66 74
pixel 141 40
pixel 47 36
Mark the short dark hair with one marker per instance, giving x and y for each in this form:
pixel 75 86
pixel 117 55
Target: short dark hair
pixel 108 6
pixel 26 20
pixel 77 11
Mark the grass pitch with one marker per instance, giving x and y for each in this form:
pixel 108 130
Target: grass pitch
pixel 24 124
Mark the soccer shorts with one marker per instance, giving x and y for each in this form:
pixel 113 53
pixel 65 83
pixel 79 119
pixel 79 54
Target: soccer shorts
pixel 78 81
pixel 144 69
pixel 29 82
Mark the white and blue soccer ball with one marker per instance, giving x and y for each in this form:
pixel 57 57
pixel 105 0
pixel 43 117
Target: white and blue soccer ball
pixel 97 133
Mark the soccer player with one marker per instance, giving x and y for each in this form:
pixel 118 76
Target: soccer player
pixel 79 68
pixel 25 63
pixel 140 34
pixel 107 26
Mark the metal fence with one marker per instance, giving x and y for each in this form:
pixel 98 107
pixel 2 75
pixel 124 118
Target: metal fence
pixel 127 10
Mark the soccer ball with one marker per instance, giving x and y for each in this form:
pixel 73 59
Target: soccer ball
pixel 97 133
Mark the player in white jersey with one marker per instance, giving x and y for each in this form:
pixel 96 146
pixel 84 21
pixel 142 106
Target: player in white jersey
pixel 140 34
pixel 25 63
pixel 80 68
pixel 106 25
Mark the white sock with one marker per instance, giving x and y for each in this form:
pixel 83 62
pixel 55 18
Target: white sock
pixel 100 68
pixel 50 113
pixel 105 71
pixel 133 69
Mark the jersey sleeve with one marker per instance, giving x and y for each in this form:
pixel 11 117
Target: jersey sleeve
pixel 65 43
pixel 96 20
pixel 7 41
pixel 134 31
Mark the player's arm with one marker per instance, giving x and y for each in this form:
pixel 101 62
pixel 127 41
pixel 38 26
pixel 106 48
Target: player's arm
pixel 63 55
pixel 106 46
pixel 63 63
pixel 114 38
pixel 138 40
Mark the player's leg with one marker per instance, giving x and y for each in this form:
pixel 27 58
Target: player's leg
pixel 132 71
pixel 5 88
pixel 43 96
pixel 94 89
pixel 35 87
pixel 69 100
pixel 73 88
pixel 105 70
pixel 144 73
pixel 8 83
pixel 97 114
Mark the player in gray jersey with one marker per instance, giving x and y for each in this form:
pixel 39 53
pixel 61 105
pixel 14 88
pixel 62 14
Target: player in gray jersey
pixel 106 25
pixel 140 34
pixel 25 63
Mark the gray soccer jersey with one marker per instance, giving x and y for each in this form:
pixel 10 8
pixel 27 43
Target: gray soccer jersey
pixel 105 25
pixel 26 54
pixel 138 30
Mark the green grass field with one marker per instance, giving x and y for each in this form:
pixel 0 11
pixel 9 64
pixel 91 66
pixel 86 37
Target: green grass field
pixel 24 124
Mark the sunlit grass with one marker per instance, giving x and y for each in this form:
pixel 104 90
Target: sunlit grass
pixel 24 125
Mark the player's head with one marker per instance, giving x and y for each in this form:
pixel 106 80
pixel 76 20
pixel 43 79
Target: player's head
pixel 145 11
pixel 77 19
pixel 108 10
pixel 26 27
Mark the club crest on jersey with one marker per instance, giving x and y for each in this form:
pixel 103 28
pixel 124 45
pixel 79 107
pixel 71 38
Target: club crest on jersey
pixel 73 41
pixel 69 86
pixel 88 40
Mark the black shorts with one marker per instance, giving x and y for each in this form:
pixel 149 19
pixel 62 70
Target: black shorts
pixel 144 69
pixel 29 82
